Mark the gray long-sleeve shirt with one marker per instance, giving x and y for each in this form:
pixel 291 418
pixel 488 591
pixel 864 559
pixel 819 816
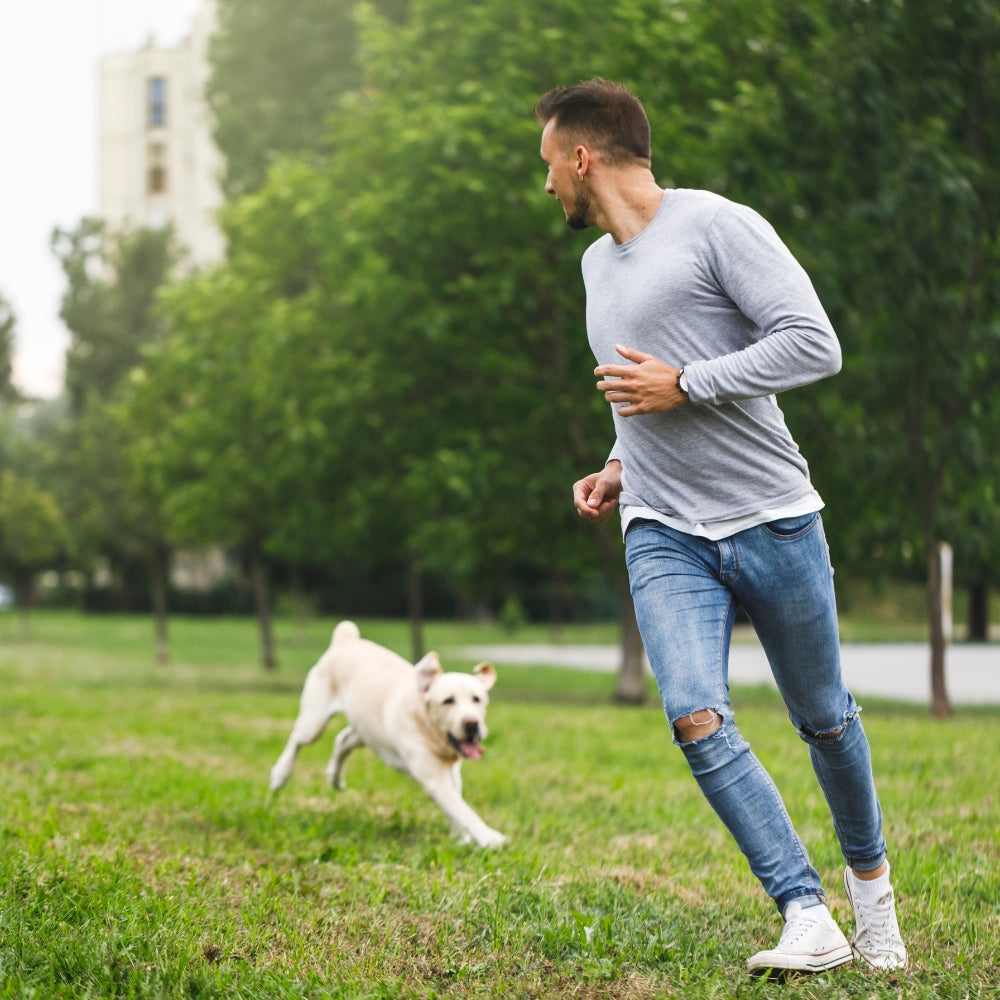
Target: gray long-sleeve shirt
pixel 709 286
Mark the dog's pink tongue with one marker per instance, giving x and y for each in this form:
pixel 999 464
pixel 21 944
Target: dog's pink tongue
pixel 472 751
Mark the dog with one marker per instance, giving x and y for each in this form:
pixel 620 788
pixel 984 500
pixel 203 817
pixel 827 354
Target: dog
pixel 418 719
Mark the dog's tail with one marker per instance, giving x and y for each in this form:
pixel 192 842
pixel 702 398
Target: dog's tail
pixel 345 632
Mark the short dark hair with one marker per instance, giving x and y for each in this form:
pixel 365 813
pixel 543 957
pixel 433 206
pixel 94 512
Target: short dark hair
pixel 606 113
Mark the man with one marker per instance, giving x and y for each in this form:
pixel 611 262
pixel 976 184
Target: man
pixel 698 314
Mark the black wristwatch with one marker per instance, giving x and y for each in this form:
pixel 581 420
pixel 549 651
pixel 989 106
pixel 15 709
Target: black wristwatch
pixel 682 382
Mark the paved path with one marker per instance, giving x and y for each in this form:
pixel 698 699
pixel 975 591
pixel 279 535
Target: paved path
pixel 891 670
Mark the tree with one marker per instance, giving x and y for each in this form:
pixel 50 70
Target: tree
pixel 418 249
pixel 465 280
pixel 32 534
pixel 928 226
pixel 112 283
pixel 975 520
pixel 109 308
pixel 278 67
pixel 887 148
pixel 424 245
pixel 237 417
pixel 8 324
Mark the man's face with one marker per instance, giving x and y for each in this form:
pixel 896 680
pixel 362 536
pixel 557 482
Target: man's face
pixel 563 180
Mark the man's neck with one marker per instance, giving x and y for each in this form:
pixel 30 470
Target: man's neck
pixel 626 208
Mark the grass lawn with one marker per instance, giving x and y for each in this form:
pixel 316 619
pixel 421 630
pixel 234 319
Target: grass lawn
pixel 141 856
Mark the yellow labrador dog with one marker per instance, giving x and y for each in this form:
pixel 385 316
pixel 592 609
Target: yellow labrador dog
pixel 419 720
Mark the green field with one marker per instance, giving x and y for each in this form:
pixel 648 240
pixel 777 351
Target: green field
pixel 140 854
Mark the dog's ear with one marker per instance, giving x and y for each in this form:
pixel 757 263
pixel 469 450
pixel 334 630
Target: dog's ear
pixel 487 674
pixel 427 669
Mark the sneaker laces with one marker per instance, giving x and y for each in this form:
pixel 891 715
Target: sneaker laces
pixel 798 925
pixel 877 923
pixel 877 937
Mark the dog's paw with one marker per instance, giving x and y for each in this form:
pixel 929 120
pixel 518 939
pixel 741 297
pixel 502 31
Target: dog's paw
pixel 492 839
pixel 335 779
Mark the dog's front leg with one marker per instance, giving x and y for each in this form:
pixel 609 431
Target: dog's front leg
pixel 347 740
pixel 468 824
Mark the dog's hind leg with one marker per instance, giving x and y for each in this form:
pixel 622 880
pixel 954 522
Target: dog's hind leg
pixel 347 741
pixel 315 711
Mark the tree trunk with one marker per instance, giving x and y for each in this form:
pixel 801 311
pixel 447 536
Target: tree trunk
pixel 940 706
pixel 631 689
pixel 631 684
pixel 159 571
pixel 262 601
pixel 24 597
pixel 979 612
pixel 560 601
pixel 415 606
pixel 24 624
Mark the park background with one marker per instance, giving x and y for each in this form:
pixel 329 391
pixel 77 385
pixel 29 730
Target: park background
pixel 375 407
pixel 377 403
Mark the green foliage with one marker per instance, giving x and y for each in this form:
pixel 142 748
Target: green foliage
pixel 140 854
pixel 390 370
pixel 931 340
pixel 113 280
pixel 238 418
pixel 32 530
pixel 8 324
pixel 109 308
pixel 278 67
pixel 873 145
pixel 423 252
pixel 397 334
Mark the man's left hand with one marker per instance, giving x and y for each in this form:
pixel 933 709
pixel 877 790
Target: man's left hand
pixel 648 385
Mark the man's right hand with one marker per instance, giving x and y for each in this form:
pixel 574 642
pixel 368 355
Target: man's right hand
pixel 596 496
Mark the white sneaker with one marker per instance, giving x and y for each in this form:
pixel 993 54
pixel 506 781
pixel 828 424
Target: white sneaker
pixel 810 942
pixel 877 939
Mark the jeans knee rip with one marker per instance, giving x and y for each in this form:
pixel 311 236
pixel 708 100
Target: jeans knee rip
pixel 837 733
pixel 715 725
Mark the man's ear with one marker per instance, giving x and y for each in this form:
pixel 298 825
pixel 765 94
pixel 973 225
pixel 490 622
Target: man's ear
pixel 583 159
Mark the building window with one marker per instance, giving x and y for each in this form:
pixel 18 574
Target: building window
pixel 156 169
pixel 156 101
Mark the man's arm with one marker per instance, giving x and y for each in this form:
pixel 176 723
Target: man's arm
pixel 767 284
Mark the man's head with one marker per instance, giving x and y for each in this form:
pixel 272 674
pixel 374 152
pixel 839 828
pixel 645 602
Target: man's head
pixel 595 122
pixel 603 115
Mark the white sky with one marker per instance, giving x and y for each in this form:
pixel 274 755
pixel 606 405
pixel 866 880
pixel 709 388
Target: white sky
pixel 49 50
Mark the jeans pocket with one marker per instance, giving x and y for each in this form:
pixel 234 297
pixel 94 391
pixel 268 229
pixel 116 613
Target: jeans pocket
pixel 792 527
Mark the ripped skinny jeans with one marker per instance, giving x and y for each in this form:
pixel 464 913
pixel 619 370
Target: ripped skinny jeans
pixel 686 591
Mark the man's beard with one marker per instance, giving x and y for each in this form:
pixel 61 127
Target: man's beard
pixel 578 217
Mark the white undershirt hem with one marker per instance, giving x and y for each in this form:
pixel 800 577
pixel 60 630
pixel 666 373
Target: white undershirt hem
pixel 716 530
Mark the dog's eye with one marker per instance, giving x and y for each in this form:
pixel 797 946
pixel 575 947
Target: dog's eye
pixel 449 701
pixel 476 698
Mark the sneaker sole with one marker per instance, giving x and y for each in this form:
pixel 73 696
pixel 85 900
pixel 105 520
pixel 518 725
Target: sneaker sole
pixel 807 965
pixel 892 964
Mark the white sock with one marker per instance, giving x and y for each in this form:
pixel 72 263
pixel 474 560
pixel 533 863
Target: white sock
pixel 808 902
pixel 811 902
pixel 872 889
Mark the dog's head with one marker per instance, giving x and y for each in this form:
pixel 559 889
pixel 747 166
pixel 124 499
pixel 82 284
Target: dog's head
pixel 456 703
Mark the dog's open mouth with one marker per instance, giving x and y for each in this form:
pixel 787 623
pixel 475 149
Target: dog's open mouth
pixel 469 749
